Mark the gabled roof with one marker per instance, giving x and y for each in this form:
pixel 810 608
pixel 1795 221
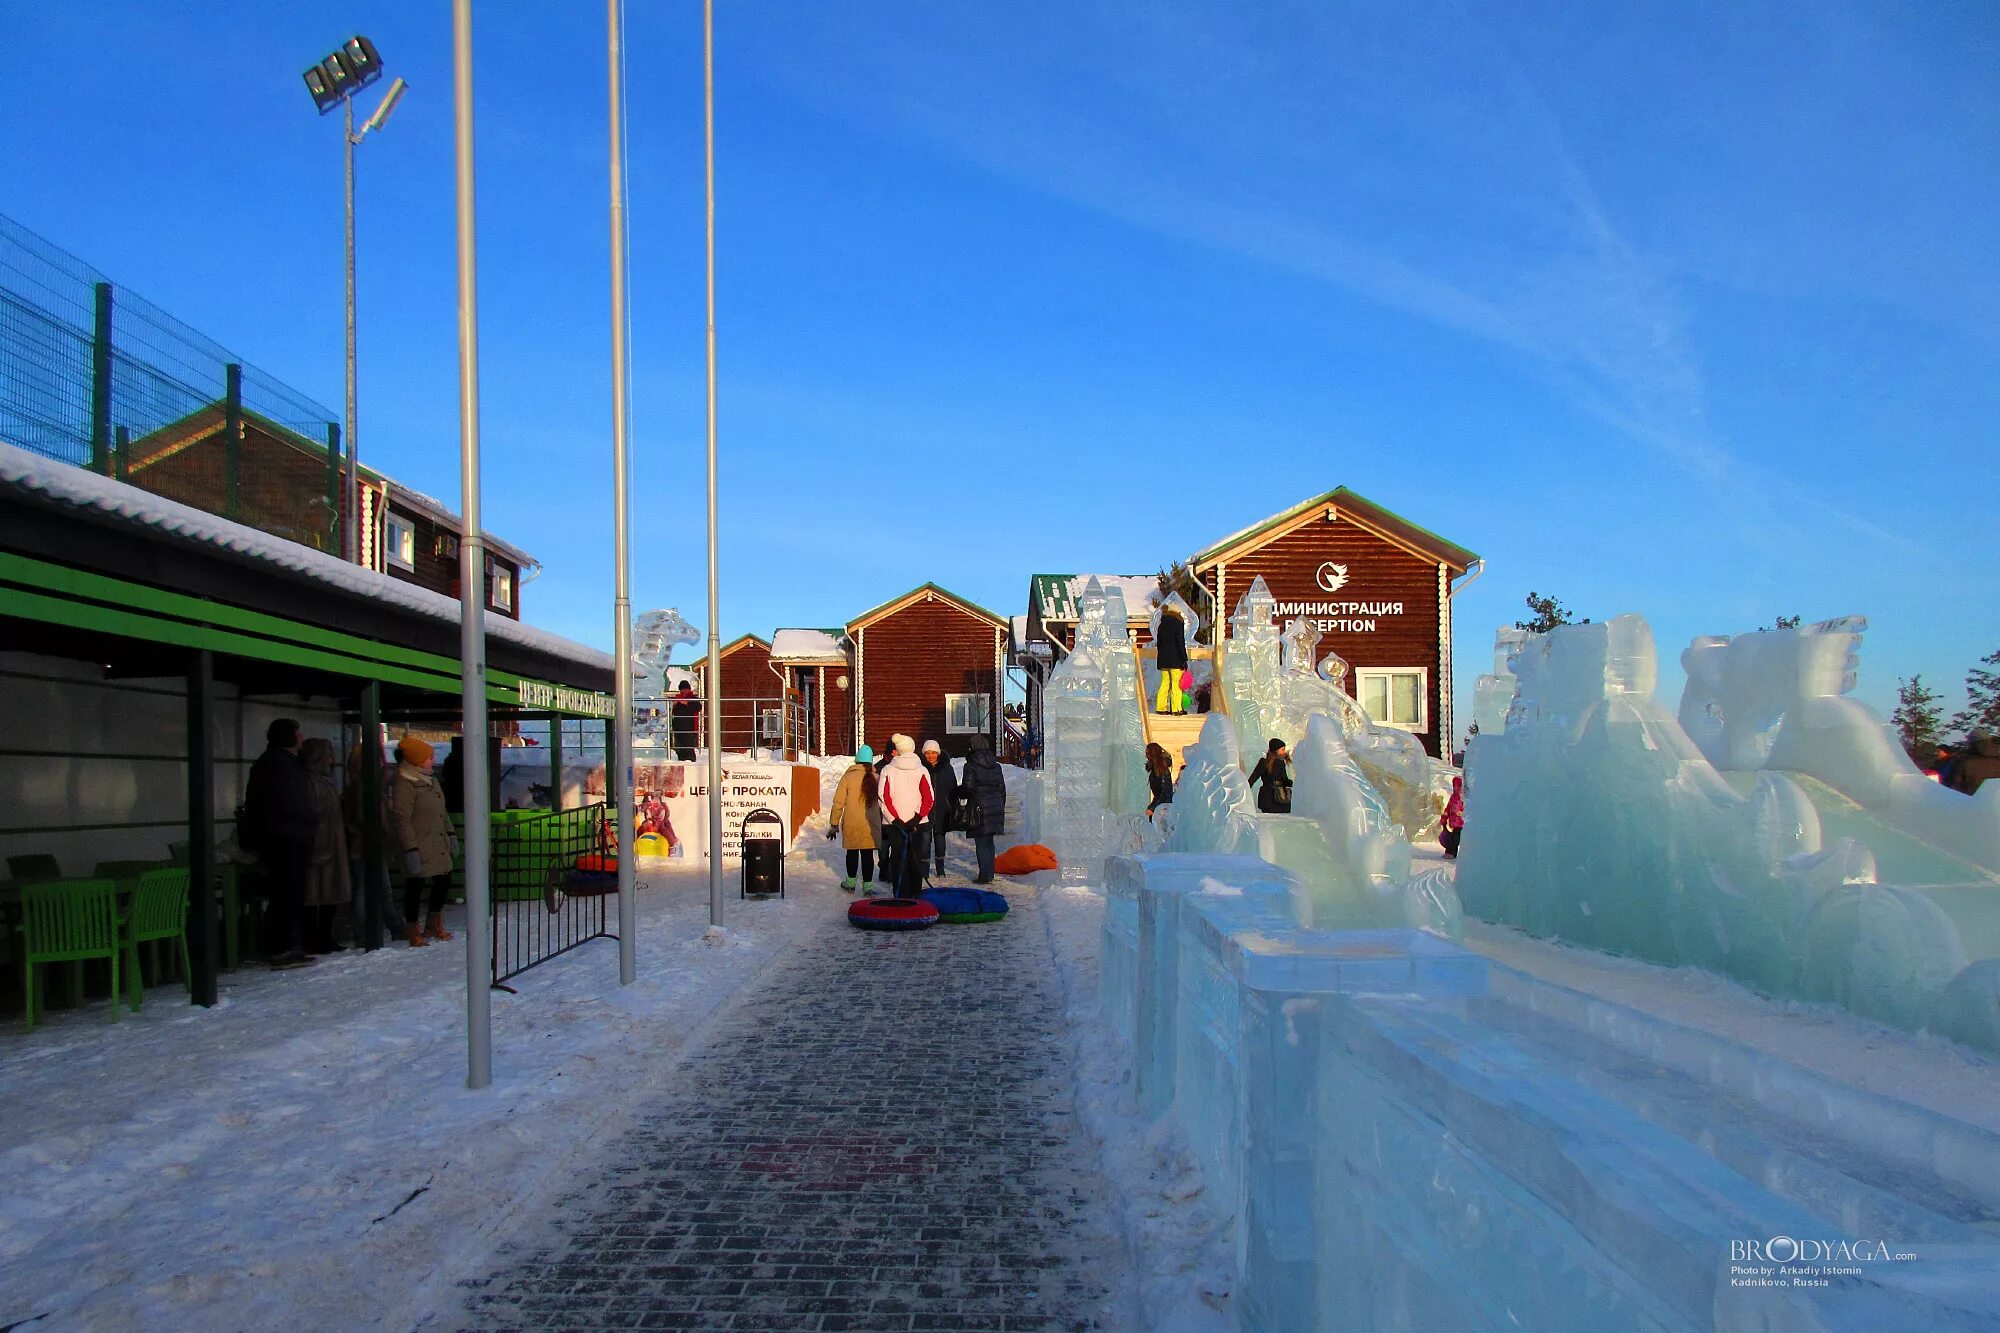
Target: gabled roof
pixel 1059 595
pixel 740 640
pixel 810 647
pixel 918 594
pixel 1356 508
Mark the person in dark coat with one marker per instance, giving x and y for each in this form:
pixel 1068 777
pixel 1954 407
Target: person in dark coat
pixel 280 819
pixel 1274 770
pixel 986 787
pixel 685 724
pixel 1980 761
pixel 1159 776
pixel 451 777
pixel 944 792
pixel 1171 656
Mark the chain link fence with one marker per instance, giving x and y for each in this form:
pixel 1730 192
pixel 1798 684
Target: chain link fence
pixel 94 375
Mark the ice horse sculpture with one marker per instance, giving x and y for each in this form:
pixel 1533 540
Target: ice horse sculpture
pixel 1595 817
pixel 655 635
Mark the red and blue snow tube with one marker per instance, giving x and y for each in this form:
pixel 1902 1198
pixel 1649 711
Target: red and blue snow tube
pixel 891 914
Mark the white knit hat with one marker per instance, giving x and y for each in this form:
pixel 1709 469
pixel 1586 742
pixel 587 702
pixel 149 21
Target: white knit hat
pixel 903 744
pixel 928 746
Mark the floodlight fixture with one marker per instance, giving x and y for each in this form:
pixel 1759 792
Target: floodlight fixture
pixel 343 73
pixel 387 106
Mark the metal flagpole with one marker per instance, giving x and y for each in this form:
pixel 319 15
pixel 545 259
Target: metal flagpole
pixel 713 702
pixel 472 582
pixel 620 764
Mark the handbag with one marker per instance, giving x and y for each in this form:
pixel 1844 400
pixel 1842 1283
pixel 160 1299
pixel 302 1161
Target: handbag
pixel 965 816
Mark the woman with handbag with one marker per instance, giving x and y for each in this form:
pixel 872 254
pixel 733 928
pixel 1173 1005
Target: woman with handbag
pixel 983 789
pixel 1274 770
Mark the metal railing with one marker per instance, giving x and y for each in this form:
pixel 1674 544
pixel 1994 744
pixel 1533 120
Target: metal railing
pixel 780 724
pixel 553 875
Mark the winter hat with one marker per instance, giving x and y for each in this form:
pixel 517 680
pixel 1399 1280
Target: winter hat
pixel 413 751
pixel 928 746
pixel 865 755
pixel 903 744
pixel 1277 744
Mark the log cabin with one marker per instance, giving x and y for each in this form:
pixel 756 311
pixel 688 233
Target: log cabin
pixel 930 665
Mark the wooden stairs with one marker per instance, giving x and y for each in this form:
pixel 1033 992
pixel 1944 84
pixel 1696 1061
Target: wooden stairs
pixel 1171 733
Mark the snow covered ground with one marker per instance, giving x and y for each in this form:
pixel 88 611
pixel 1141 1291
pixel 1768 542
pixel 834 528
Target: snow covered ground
pixel 306 1156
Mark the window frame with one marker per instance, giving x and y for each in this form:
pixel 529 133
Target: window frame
pixel 986 711
pixel 392 550
pixel 1388 674
pixel 495 574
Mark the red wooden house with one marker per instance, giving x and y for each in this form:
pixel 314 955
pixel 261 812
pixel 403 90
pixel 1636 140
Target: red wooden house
pixel 819 666
pixel 751 702
pixel 930 665
pixel 1377 586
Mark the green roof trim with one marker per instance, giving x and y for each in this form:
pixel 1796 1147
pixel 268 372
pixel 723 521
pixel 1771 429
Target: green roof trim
pixel 1342 498
pixel 941 591
pixel 1057 594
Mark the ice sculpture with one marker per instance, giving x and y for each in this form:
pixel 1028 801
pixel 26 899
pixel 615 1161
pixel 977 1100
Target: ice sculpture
pixel 1595 817
pixel 1492 694
pixel 1213 809
pixel 1073 767
pixel 655 635
pixel 1412 785
pixel 1250 666
pixel 1776 699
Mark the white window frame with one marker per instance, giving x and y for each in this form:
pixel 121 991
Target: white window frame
pixel 392 549
pixel 982 728
pixel 770 724
pixel 1363 674
pixel 498 573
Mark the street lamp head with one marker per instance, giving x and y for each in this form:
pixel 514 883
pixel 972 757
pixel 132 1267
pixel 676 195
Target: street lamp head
pixel 346 72
pixel 387 107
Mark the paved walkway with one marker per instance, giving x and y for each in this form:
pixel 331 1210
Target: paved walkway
pixel 880 1136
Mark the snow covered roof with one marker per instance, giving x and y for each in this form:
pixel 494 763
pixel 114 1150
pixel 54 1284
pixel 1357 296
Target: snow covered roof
pixel 68 485
pixel 399 493
pixel 1060 594
pixel 809 645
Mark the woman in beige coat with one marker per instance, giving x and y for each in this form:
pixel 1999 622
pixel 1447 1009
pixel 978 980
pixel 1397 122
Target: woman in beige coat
pixel 857 820
pixel 424 840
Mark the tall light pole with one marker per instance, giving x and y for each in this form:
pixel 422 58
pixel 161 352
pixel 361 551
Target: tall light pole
pixel 618 764
pixel 714 601
pixel 333 82
pixel 472 576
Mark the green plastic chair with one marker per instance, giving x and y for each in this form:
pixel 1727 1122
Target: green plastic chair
pixel 68 921
pixel 159 911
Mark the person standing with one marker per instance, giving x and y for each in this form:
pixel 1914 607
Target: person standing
pixel 857 821
pixel 365 880
pixel 944 797
pixel 1159 776
pixel 1979 762
pixel 985 786
pixel 326 886
pixel 423 838
pixel 1274 770
pixel 685 723
pixel 1452 826
pixel 1171 656
pixel 907 801
pixel 278 815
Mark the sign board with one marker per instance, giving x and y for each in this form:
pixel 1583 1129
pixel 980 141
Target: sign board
pixel 671 799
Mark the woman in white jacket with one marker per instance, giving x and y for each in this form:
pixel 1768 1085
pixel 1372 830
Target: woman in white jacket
pixel 906 810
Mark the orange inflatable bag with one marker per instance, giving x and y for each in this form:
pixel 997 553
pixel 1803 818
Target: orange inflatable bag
pixel 1024 860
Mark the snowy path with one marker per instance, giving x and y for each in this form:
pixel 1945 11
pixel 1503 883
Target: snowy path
pixel 882 1134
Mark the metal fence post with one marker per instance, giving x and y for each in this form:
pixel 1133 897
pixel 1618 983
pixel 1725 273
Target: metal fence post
pixel 232 440
pixel 372 855
pixel 555 763
pixel 100 383
pixel 122 457
pixel 334 507
pixel 201 826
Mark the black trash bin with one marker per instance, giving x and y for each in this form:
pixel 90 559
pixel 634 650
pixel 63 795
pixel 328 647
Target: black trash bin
pixel 763 834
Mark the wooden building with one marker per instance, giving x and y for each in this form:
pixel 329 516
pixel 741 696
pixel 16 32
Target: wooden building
pixel 289 485
pixel 751 702
pixel 930 665
pixel 1376 585
pixel 818 664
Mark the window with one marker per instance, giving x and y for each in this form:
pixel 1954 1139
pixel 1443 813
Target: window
pixel 501 580
pixel 1395 696
pixel 968 714
pixel 399 542
pixel 770 724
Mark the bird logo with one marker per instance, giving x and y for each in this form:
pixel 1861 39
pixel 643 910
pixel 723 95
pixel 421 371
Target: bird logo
pixel 1332 577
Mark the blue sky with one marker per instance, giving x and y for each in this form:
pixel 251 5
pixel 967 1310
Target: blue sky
pixel 1689 311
